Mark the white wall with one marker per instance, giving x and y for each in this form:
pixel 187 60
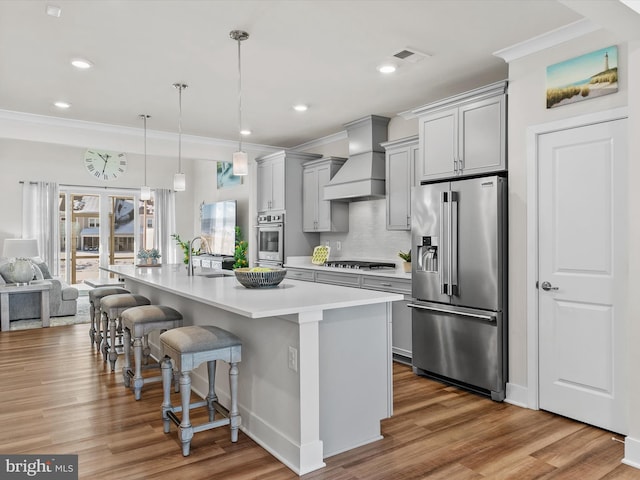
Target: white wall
pixel 24 160
pixel 527 107
pixel 632 443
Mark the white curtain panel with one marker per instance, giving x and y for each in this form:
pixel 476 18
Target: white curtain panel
pixel 165 217
pixel 40 220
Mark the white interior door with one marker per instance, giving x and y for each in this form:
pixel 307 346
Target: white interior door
pixel 582 272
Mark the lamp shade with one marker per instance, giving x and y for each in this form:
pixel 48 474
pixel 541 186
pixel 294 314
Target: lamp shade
pixel 179 182
pixel 145 193
pixel 20 248
pixel 240 163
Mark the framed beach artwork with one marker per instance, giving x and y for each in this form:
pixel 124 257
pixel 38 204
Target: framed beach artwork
pixel 225 176
pixel 583 78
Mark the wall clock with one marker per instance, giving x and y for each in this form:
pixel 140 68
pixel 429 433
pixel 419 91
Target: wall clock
pixel 105 165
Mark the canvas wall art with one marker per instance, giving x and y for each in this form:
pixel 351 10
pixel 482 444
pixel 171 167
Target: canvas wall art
pixel 583 78
pixel 225 176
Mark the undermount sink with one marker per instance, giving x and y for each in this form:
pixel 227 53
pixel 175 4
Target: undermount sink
pixel 210 275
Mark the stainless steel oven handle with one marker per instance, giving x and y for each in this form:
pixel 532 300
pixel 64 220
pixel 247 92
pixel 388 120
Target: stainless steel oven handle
pixel 489 318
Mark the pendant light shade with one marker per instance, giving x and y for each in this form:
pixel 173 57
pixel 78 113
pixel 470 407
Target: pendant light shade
pixel 240 159
pixel 179 179
pixel 145 191
pixel 240 163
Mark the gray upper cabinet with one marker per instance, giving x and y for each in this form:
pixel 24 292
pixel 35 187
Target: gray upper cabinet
pixel 271 184
pixel 278 183
pixel 319 215
pixel 401 160
pixel 463 135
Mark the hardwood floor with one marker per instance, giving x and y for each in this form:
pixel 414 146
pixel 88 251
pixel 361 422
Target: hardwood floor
pixel 58 397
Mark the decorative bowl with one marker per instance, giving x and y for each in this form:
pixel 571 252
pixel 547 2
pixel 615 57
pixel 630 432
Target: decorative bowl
pixel 260 279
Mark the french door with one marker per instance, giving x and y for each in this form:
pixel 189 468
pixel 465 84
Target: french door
pixel 101 227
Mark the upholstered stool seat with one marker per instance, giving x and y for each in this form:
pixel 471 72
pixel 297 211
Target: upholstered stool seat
pixel 189 347
pixel 137 323
pixel 95 295
pixel 112 307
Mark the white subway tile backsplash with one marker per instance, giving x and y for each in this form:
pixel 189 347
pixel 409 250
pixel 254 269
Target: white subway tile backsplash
pixel 368 237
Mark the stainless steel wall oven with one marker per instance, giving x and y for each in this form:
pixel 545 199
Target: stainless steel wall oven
pixel 270 232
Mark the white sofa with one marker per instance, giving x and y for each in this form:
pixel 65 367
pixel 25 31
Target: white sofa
pixel 63 299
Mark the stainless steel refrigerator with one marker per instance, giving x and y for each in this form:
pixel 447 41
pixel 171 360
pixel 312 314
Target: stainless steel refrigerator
pixel 459 283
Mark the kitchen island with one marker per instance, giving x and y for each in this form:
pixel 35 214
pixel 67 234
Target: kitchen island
pixel 315 378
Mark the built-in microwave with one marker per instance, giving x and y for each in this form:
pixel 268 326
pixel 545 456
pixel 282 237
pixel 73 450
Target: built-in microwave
pixel 271 239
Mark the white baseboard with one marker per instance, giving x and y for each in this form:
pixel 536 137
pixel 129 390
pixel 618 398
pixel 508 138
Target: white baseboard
pixel 517 395
pixel 631 452
pixel 293 455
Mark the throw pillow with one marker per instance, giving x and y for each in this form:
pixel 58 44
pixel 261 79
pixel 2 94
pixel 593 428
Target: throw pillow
pixel 43 268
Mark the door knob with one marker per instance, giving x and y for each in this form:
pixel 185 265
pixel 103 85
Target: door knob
pixel 546 286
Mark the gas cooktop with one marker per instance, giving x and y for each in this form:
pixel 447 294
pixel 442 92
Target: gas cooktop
pixel 358 264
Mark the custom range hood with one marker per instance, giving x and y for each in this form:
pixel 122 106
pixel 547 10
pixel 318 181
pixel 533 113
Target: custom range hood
pixel 362 176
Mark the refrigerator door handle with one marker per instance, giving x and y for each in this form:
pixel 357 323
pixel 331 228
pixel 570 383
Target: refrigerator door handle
pixel 443 267
pixel 488 318
pixel 453 251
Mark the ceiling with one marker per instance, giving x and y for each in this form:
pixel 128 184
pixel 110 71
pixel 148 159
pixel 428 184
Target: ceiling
pixel 321 53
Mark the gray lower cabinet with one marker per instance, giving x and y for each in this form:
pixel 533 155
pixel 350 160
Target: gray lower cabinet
pixel 401 327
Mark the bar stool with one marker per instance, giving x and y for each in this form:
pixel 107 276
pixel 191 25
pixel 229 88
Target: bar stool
pixel 189 347
pixel 95 295
pixel 112 307
pixel 138 322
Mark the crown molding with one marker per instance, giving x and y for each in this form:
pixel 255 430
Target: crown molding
pixel 64 131
pixel 318 142
pixel 547 40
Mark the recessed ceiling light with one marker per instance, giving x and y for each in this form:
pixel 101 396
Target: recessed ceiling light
pixel 81 63
pixel 300 108
pixel 53 11
pixel 387 68
pixel 63 105
pixel 245 132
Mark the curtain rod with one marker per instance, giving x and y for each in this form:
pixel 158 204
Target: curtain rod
pixel 22 182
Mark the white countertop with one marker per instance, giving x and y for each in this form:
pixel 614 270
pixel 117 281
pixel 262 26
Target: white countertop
pixel 305 262
pixel 290 297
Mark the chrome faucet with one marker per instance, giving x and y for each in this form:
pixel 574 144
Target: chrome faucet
pixel 190 266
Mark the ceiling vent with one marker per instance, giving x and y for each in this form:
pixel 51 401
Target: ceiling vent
pixel 410 55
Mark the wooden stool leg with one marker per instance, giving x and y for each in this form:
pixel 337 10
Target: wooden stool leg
pixel 212 397
pixel 98 335
pixel 113 354
pixel 138 381
pixel 167 373
pixel 234 416
pixel 92 329
pixel 185 430
pixel 126 345
pixel 146 350
pixel 105 342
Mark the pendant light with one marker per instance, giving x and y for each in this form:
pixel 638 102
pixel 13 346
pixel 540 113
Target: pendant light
pixel 240 160
pixel 179 180
pixel 145 191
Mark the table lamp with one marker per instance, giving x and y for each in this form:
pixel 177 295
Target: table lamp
pixel 21 250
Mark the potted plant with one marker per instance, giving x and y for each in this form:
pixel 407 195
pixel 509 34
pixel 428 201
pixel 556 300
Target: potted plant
pixel 240 253
pixel 406 256
pixel 184 245
pixel 143 255
pixel 154 255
